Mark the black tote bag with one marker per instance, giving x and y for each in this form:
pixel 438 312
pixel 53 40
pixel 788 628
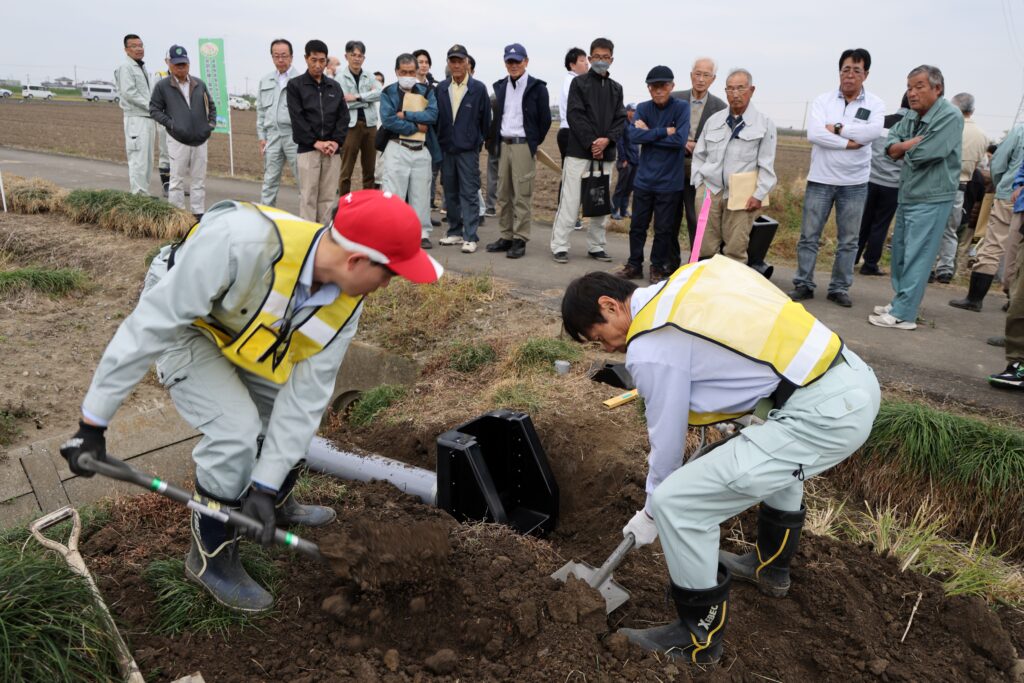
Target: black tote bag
pixel 595 194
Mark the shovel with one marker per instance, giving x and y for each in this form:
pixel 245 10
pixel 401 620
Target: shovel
pixel 122 471
pixel 601 579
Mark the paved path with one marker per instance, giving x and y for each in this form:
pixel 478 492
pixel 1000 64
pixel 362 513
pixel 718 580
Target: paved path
pixel 944 358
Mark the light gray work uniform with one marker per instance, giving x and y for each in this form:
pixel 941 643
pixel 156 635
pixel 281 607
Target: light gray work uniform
pixel 134 90
pixel 222 275
pixel 274 124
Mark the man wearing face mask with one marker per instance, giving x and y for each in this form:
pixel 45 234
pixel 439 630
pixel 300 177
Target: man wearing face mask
pixel 596 118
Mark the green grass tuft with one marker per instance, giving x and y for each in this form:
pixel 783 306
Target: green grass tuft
pixel 50 627
pixel 542 352
pixel 471 356
pixel 518 396
pixel 373 401
pixel 52 281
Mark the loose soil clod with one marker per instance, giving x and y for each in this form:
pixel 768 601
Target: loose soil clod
pixel 373 553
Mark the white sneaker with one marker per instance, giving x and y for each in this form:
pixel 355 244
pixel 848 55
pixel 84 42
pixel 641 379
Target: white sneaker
pixel 887 320
pixel 468 247
pixel 450 241
pixel 883 310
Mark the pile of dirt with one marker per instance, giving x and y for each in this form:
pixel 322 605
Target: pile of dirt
pixel 490 611
pixel 379 552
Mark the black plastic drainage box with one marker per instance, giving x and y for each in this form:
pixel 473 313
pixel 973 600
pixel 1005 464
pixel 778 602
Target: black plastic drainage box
pixel 494 469
pixel 762 232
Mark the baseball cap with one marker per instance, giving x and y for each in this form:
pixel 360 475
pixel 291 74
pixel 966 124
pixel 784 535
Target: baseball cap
pixel 515 53
pixel 457 50
pixel 660 74
pixel 631 106
pixel 177 55
pixel 385 229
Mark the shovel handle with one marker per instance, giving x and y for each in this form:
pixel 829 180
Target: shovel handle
pixel 613 561
pixel 122 471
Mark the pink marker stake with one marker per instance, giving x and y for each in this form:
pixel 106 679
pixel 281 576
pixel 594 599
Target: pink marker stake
pixel 702 222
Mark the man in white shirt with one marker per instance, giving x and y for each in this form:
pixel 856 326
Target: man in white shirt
pixel 842 125
pixel 575 65
pixel 274 123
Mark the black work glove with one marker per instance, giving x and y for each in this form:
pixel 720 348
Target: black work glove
pixel 260 506
pixel 88 439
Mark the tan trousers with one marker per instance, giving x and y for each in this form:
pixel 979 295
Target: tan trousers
pixel 516 171
pixel 1013 247
pixel 318 185
pixel 993 246
pixel 727 231
pixel 359 142
pixel 190 161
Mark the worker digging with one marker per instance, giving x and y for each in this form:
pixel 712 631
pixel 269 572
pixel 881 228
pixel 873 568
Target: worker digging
pixel 692 364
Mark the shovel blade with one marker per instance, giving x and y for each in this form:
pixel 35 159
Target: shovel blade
pixel 614 594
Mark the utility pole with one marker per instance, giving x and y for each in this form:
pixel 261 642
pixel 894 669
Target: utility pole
pixel 804 124
pixel 76 75
pixel 1020 114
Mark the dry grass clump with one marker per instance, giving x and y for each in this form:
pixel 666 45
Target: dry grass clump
pixel 126 213
pixel 32 195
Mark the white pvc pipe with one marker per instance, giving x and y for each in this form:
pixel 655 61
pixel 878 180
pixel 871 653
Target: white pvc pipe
pixel 416 481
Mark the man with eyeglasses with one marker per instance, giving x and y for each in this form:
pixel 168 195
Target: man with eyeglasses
pixel 274 123
pixel 842 125
pixel 251 360
pixel 362 91
pixel 702 106
pixel 134 90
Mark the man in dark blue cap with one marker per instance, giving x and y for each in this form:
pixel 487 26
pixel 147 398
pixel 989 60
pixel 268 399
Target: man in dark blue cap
pixel 523 119
pixel 661 126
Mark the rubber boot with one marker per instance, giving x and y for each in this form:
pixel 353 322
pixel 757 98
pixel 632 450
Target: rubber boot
pixel 290 511
pixel 165 179
pixel 700 631
pixel 976 292
pixel 778 534
pixel 214 564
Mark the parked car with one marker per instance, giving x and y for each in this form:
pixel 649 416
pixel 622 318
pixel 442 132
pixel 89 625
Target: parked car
pixel 35 91
pixel 99 91
pixel 5 93
pixel 239 103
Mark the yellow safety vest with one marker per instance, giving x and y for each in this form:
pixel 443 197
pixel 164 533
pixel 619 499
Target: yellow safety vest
pixel 731 305
pixel 267 346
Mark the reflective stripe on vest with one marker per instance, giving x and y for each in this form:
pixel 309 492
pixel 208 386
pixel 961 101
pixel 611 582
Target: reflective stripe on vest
pixel 734 306
pixel 267 346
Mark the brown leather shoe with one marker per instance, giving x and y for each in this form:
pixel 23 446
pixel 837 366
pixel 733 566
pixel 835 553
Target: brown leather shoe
pixel 657 275
pixel 628 272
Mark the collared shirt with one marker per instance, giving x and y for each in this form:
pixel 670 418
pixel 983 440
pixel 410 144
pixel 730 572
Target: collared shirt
pixel 327 293
pixel 457 91
pixel 283 78
pixel 186 89
pixel 974 145
pixel 696 111
pixel 675 373
pixel 832 163
pixel 512 117
pixel 563 102
pixel 721 151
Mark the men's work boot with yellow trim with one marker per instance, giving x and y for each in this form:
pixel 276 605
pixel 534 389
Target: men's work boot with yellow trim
pixel 291 512
pixel 699 633
pixel 778 533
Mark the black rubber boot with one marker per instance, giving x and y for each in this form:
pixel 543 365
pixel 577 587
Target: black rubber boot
pixel 165 179
pixel 699 633
pixel 214 564
pixel 976 292
pixel 290 511
pixel 778 534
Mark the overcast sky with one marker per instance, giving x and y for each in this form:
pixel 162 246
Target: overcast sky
pixel 791 47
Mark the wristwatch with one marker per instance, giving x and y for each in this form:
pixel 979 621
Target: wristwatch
pixel 838 128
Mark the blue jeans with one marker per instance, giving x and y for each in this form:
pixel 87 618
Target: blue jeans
pixel 818 201
pixel 915 242
pixel 460 174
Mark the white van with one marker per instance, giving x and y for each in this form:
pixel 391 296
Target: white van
pixel 36 91
pixel 99 91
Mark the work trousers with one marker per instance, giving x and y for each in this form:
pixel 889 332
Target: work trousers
pixel 138 147
pixel 573 170
pixel 1015 314
pixel 818 201
pixel 879 208
pixel 915 242
pixel 997 232
pixel 1013 248
pixel 517 168
pixel 318 185
pixel 460 175
pixel 406 174
pixel 727 232
pixel 664 207
pixel 280 149
pixel 165 157
pixel 190 161
pixel 491 200
pixel 229 406
pixel 816 429
pixel 624 188
pixel 945 264
pixel 689 203
pixel 360 142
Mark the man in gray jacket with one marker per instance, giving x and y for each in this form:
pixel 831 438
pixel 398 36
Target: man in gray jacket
pixel 274 124
pixel 182 104
pixel 251 361
pixel 133 90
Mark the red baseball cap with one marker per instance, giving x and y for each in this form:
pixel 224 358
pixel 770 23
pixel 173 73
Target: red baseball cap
pixel 387 230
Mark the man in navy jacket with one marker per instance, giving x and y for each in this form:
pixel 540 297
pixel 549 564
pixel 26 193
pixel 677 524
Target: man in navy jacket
pixel 523 118
pixel 629 158
pixel 661 127
pixel 463 116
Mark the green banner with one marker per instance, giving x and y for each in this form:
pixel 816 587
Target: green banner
pixel 212 72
